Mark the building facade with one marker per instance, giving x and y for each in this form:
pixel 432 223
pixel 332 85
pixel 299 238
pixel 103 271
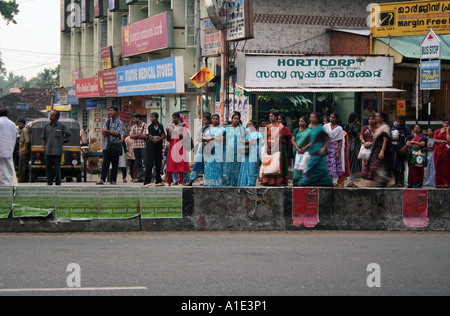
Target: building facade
pixel 141 56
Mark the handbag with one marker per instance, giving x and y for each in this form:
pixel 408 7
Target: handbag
pixel 271 164
pixel 419 158
pixel 301 161
pixel 364 153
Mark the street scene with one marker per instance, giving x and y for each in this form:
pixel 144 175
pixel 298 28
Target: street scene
pixel 309 140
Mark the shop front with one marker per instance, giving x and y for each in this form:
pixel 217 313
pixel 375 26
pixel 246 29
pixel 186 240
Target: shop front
pixel 155 86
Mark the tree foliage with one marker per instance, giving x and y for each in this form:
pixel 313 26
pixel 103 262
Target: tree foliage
pixel 9 10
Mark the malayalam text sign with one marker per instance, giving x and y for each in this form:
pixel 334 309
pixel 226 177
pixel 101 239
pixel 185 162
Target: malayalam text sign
pixel 409 18
pixel 430 75
pixel 318 71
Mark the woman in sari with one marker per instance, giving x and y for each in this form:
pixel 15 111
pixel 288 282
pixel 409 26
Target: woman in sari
pixel 317 174
pixel 274 143
pixel 213 153
pixel 336 155
pixel 366 136
pixel 430 173
pixel 177 160
pixel 233 160
pixel 250 167
pixel 378 169
pixel 287 144
pixel 418 144
pixel 300 142
pixel 442 155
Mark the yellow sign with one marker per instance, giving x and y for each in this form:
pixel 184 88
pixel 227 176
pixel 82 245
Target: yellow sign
pixel 202 77
pixel 401 107
pixel 60 108
pixel 409 18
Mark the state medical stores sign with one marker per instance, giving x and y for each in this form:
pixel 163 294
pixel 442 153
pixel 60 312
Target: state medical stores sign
pixel 318 71
pixel 154 77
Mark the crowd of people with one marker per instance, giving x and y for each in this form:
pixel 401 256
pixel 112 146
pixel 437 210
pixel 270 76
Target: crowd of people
pixel 320 152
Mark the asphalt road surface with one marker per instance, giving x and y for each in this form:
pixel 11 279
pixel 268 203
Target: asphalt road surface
pixel 226 264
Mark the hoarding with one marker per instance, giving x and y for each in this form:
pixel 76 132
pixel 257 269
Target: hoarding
pixel 153 77
pixel 409 18
pixel 318 71
pixel 152 34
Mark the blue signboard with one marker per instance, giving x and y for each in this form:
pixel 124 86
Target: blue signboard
pixel 163 76
pixel 430 75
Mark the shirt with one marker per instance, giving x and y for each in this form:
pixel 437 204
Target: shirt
pixel 156 132
pixel 24 141
pixel 54 138
pixel 8 137
pixel 114 125
pixel 138 130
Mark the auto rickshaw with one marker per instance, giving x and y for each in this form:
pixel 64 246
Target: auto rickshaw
pixel 71 158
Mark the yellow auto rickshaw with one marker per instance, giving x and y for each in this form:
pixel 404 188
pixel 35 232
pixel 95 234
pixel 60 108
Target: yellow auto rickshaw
pixel 71 158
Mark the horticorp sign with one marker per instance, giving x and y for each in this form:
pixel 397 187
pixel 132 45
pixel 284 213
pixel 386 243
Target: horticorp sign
pixel 318 71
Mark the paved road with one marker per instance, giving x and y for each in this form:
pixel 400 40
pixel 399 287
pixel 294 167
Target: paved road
pixel 224 264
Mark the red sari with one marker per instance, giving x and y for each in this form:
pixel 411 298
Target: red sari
pixel 442 161
pixel 177 160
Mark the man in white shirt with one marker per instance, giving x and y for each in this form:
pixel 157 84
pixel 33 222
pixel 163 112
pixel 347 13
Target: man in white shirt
pixel 8 138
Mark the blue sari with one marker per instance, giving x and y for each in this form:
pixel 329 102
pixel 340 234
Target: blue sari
pixel 250 167
pixel 214 163
pixel 233 160
pixel 317 174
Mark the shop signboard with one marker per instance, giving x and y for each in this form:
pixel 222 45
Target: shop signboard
pixel 318 71
pixel 240 20
pixel 152 34
pixel 107 81
pixel 211 39
pixel 162 76
pixel 409 18
pixel 430 75
pixel 87 88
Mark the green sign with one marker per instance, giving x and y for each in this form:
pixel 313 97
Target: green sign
pixel 77 202
pixel 163 202
pixel 116 203
pixel 33 201
pixel 6 201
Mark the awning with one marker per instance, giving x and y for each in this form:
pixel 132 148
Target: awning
pixel 409 46
pixel 319 90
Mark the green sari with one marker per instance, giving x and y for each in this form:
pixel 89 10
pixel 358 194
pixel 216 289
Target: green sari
pixel 317 174
pixel 301 139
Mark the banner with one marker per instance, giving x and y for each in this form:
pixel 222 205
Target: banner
pixel 119 203
pixel 318 71
pixel 162 202
pixel 154 33
pixel 409 18
pixel 305 207
pixel 415 208
pixel 33 201
pixel 68 206
pixel 6 201
pixel 154 77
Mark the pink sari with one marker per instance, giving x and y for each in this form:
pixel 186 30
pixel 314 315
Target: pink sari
pixel 442 161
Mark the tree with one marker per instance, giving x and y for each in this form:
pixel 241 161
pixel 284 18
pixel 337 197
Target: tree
pixel 8 10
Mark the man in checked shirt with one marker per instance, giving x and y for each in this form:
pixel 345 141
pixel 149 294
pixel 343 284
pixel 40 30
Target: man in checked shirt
pixel 138 134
